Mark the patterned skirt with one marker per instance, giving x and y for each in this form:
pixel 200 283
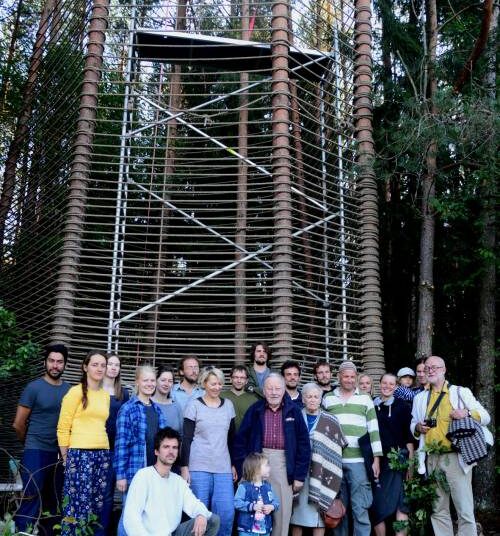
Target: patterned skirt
pixel 85 481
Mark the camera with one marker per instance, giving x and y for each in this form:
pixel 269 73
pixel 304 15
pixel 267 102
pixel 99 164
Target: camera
pixel 431 422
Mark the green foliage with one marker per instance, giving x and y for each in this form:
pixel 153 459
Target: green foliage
pixel 8 527
pixel 17 350
pixel 420 492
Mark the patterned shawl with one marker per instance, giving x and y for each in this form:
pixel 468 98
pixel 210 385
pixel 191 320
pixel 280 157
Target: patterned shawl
pixel 325 473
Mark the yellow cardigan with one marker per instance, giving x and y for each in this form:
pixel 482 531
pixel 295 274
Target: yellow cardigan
pixel 80 428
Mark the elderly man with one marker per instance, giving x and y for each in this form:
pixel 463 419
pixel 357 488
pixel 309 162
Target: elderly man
pixel 275 426
pixel 357 417
pixel 433 410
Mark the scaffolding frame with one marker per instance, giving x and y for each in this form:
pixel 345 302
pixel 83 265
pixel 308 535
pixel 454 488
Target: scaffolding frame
pixel 125 181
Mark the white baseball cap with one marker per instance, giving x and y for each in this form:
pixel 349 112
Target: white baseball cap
pixel 405 371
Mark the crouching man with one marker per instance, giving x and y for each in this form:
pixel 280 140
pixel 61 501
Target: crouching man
pixel 157 497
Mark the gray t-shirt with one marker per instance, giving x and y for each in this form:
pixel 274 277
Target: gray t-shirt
pixel 209 449
pixel 44 400
pixel 173 414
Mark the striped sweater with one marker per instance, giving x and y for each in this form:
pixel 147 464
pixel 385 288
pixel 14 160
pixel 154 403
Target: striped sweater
pixel 356 417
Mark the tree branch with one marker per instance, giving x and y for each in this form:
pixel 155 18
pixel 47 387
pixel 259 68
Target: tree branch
pixel 478 48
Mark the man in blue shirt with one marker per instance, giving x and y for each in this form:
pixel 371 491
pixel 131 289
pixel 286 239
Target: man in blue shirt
pixel 187 388
pixel 36 426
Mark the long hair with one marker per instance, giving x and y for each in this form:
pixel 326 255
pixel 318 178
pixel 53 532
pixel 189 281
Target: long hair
pixel 267 349
pixel 118 380
pixel 83 381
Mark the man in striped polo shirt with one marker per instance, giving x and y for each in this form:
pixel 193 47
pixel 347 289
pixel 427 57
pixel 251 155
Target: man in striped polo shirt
pixel 357 417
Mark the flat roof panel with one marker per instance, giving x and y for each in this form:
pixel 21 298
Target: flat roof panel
pixel 224 54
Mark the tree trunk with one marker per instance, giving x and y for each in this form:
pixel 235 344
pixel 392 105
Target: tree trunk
pixel 282 253
pixel 484 491
pixel 10 58
pixel 240 295
pixel 62 325
pixel 371 303
pixel 425 325
pixel 9 179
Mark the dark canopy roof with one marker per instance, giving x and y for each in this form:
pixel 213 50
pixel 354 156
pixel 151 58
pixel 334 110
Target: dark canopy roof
pixel 223 54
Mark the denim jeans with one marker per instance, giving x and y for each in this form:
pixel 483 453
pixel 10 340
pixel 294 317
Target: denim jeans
pixel 216 492
pixel 42 477
pixel 355 490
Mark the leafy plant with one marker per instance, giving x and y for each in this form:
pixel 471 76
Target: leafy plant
pixel 420 491
pixel 17 350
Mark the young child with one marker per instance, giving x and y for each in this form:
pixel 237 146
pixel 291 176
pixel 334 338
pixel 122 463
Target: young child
pixel 254 500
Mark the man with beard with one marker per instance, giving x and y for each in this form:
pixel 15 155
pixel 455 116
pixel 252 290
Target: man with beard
pixel 290 370
pixel 322 373
pixel 187 388
pixel 36 426
pixel 258 371
pixel 157 497
pixel 240 398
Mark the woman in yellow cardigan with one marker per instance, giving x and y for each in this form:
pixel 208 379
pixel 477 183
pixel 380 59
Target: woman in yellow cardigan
pixel 82 437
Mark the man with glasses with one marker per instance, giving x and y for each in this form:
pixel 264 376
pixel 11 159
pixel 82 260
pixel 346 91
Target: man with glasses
pixel 187 388
pixel 240 398
pixel 433 410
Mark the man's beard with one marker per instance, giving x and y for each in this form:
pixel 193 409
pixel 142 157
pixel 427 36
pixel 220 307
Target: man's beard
pixel 54 375
pixel 324 383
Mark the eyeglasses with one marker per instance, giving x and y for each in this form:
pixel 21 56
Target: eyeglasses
pixel 432 368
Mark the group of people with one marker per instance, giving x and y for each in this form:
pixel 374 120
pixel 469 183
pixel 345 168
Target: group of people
pixel 261 456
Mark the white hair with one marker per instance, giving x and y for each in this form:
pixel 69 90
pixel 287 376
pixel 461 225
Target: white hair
pixel 311 386
pixel 275 376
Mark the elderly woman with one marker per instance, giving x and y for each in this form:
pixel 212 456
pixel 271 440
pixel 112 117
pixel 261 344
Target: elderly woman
pixel 323 479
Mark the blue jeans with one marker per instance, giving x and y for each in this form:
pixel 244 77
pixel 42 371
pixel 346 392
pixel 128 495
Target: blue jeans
pixel 356 490
pixel 216 492
pixel 42 477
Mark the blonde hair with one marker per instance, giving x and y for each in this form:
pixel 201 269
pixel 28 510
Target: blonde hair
pixel 210 371
pixel 252 464
pixel 142 369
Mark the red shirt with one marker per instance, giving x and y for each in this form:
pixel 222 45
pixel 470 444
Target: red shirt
pixel 273 437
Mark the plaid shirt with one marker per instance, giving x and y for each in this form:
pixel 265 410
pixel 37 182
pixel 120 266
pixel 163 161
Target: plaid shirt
pixel 130 444
pixel 274 436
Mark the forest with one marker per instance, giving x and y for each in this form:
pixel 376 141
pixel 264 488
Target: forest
pixel 435 159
